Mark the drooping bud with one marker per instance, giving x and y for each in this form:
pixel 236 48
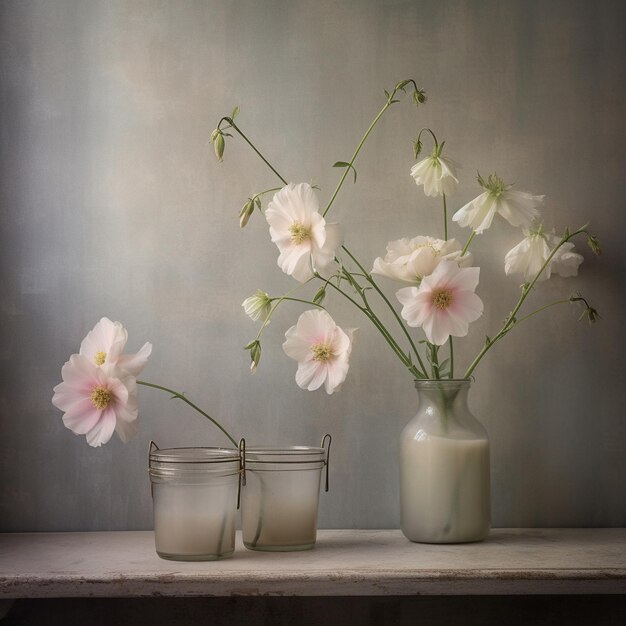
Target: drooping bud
pixel 419 97
pixel 246 212
pixel 217 139
pixel 320 294
pixel 257 306
pixel 594 244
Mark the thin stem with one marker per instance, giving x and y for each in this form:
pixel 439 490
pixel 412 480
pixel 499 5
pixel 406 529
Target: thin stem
pixel 428 130
pixel 372 282
pixel 266 321
pixel 180 396
pixel 540 309
pixel 434 361
pixel 235 127
pixel 383 331
pixel 451 357
pixel 358 149
pixel 319 306
pixel 445 219
pixel 526 289
pixel 467 243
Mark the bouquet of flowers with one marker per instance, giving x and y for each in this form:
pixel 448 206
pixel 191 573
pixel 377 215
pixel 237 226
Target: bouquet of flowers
pixel 438 274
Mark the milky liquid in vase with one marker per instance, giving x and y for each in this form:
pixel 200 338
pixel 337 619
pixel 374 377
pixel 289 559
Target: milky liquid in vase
pixel 445 490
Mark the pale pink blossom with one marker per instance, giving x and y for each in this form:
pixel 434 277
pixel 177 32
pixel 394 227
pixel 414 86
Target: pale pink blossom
pixel 322 350
pixel 97 400
pixel 444 303
pixel 104 345
pixel 409 260
pixel 306 242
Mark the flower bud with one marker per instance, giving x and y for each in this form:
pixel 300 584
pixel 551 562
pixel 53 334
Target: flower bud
pixel 257 307
pixel 419 97
pixel 246 212
pixel 320 294
pixel 217 139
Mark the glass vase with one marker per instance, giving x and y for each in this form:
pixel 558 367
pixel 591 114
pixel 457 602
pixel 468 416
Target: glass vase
pixel 280 499
pixel 195 501
pixel 444 468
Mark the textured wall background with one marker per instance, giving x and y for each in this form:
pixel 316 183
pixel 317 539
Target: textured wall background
pixel 112 204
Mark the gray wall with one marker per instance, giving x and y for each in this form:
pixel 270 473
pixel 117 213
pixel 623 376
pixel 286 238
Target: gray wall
pixel 112 204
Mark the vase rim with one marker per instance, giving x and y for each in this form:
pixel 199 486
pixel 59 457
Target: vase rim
pixel 433 383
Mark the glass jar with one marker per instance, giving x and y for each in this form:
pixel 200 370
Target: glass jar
pixel 280 499
pixel 444 468
pixel 195 501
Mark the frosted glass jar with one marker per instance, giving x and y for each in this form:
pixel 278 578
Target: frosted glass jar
pixel 280 499
pixel 444 468
pixel 195 502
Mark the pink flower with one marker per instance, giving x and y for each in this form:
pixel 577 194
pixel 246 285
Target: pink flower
pixel 444 303
pixel 104 345
pixel 306 242
pixel 96 400
pixel 322 350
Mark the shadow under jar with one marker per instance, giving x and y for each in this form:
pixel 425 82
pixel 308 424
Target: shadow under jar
pixel 280 499
pixel 195 502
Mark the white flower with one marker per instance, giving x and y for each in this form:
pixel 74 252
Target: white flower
pixel 517 207
pixel 437 174
pixel 565 262
pixel 97 400
pixel 322 350
pixel 306 242
pixel 409 260
pixel 444 303
pixel 105 343
pixel 529 255
pixel 257 306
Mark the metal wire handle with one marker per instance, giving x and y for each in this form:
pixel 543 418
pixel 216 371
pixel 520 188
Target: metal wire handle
pixel 152 446
pixel 328 438
pixel 242 469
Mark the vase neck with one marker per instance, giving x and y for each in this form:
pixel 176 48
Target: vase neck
pixel 443 398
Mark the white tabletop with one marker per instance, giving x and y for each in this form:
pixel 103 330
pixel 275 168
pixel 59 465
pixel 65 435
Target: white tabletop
pixel 344 562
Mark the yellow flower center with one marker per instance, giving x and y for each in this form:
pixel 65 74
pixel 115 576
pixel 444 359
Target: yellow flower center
pixel 321 352
pixel 99 357
pixel 299 232
pixel 442 299
pixel 100 397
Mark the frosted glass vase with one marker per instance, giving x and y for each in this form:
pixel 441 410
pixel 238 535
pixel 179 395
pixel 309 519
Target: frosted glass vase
pixel 444 468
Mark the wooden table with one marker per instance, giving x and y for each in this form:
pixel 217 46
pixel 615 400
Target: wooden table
pixel 344 563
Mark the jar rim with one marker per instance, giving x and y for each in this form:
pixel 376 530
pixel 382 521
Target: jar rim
pixel 285 454
pixel 192 455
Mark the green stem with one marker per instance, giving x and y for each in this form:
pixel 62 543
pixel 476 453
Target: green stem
pixel 180 396
pixel 526 289
pixel 434 361
pixel 445 219
pixel 319 306
pixel 451 357
pixel 383 331
pixel 372 282
pixel 235 127
pixel 428 130
pixel 467 243
pixel 266 321
pixel 540 309
pixel 356 152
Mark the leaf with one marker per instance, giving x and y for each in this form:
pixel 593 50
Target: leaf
pixel 257 201
pixel 344 164
pixel 387 94
pixel 235 113
pixel 249 346
pixel 320 294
